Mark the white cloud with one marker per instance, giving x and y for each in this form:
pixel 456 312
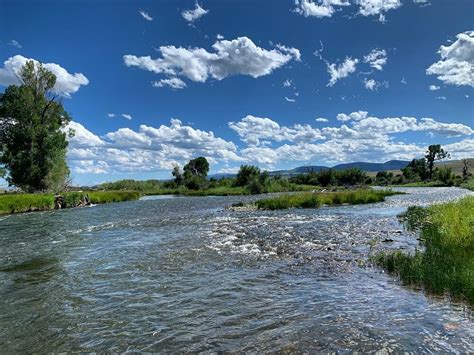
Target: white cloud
pixel 66 83
pixel 287 83
pixel 434 88
pixel 377 58
pixel 127 116
pixel 318 8
pixel 356 116
pixel 377 7
pixel 237 57
pixel 193 15
pixel 289 99
pixel 15 43
pixel 219 36
pixel 321 119
pixel 266 142
pixel 111 115
pixel 341 71
pixel 253 130
pixel 456 66
pixel 327 8
pixel 441 97
pixel 174 83
pixel 148 149
pixel 145 15
pixel 403 81
pixel 370 84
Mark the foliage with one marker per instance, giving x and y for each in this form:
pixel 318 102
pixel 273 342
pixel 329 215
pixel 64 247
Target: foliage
pixel 447 263
pixel 328 177
pixel 196 167
pixel 383 178
pixel 178 175
pixel 17 203
pixel 416 170
pixel 445 175
pixel 434 153
pixel 246 174
pixel 32 144
pixel 312 200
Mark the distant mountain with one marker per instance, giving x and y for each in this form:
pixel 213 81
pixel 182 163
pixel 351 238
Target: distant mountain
pixel 368 167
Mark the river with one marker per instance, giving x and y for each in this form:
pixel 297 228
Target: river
pixel 185 274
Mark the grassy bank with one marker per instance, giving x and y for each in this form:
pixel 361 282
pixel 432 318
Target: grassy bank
pixel 447 263
pixel 312 200
pixel 468 185
pixel 18 203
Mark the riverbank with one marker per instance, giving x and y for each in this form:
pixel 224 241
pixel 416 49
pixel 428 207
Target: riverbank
pixel 19 203
pixel 313 200
pixel 446 265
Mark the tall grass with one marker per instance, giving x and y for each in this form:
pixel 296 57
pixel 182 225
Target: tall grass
pixel 447 263
pixel 18 203
pixel 312 200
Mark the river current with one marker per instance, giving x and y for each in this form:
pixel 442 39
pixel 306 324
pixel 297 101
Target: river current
pixel 185 274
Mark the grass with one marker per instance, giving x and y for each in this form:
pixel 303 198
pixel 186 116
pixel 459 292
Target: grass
pixel 468 185
pixel 228 190
pixel 447 263
pixel 313 200
pixel 18 203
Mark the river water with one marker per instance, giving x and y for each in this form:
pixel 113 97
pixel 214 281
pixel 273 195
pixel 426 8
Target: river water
pixel 185 274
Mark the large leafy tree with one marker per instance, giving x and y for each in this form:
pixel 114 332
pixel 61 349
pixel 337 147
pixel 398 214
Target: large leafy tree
pixel 196 167
pixel 434 153
pixel 32 142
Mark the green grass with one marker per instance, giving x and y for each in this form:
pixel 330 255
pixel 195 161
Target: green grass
pixel 447 263
pixel 18 203
pixel 313 200
pixel 228 190
pixel 468 185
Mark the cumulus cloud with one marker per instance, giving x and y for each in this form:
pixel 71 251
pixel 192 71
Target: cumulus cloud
pixel 289 99
pixel 111 115
pixel 66 83
pixel 377 7
pixel 456 66
pixel 434 88
pixel 264 141
pixel 377 58
pixel 319 8
pixel 195 14
pixel 370 84
pixel 327 8
pixel 237 57
pixel 148 149
pixel 287 83
pixel 341 71
pixel 145 15
pixel 127 116
pixel 258 130
pixel 174 83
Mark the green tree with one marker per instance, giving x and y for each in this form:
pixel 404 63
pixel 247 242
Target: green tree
pixel 196 167
pixel 416 170
pixel 434 153
pixel 178 176
pixel 445 175
pixel 246 174
pixel 32 142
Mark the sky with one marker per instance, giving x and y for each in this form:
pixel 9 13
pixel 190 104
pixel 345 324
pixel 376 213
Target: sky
pixel 278 84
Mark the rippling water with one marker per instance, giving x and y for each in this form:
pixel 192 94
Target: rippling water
pixel 185 274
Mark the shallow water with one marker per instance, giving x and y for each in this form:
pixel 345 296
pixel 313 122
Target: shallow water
pixel 185 274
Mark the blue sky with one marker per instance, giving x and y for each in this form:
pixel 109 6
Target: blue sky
pixel 150 84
